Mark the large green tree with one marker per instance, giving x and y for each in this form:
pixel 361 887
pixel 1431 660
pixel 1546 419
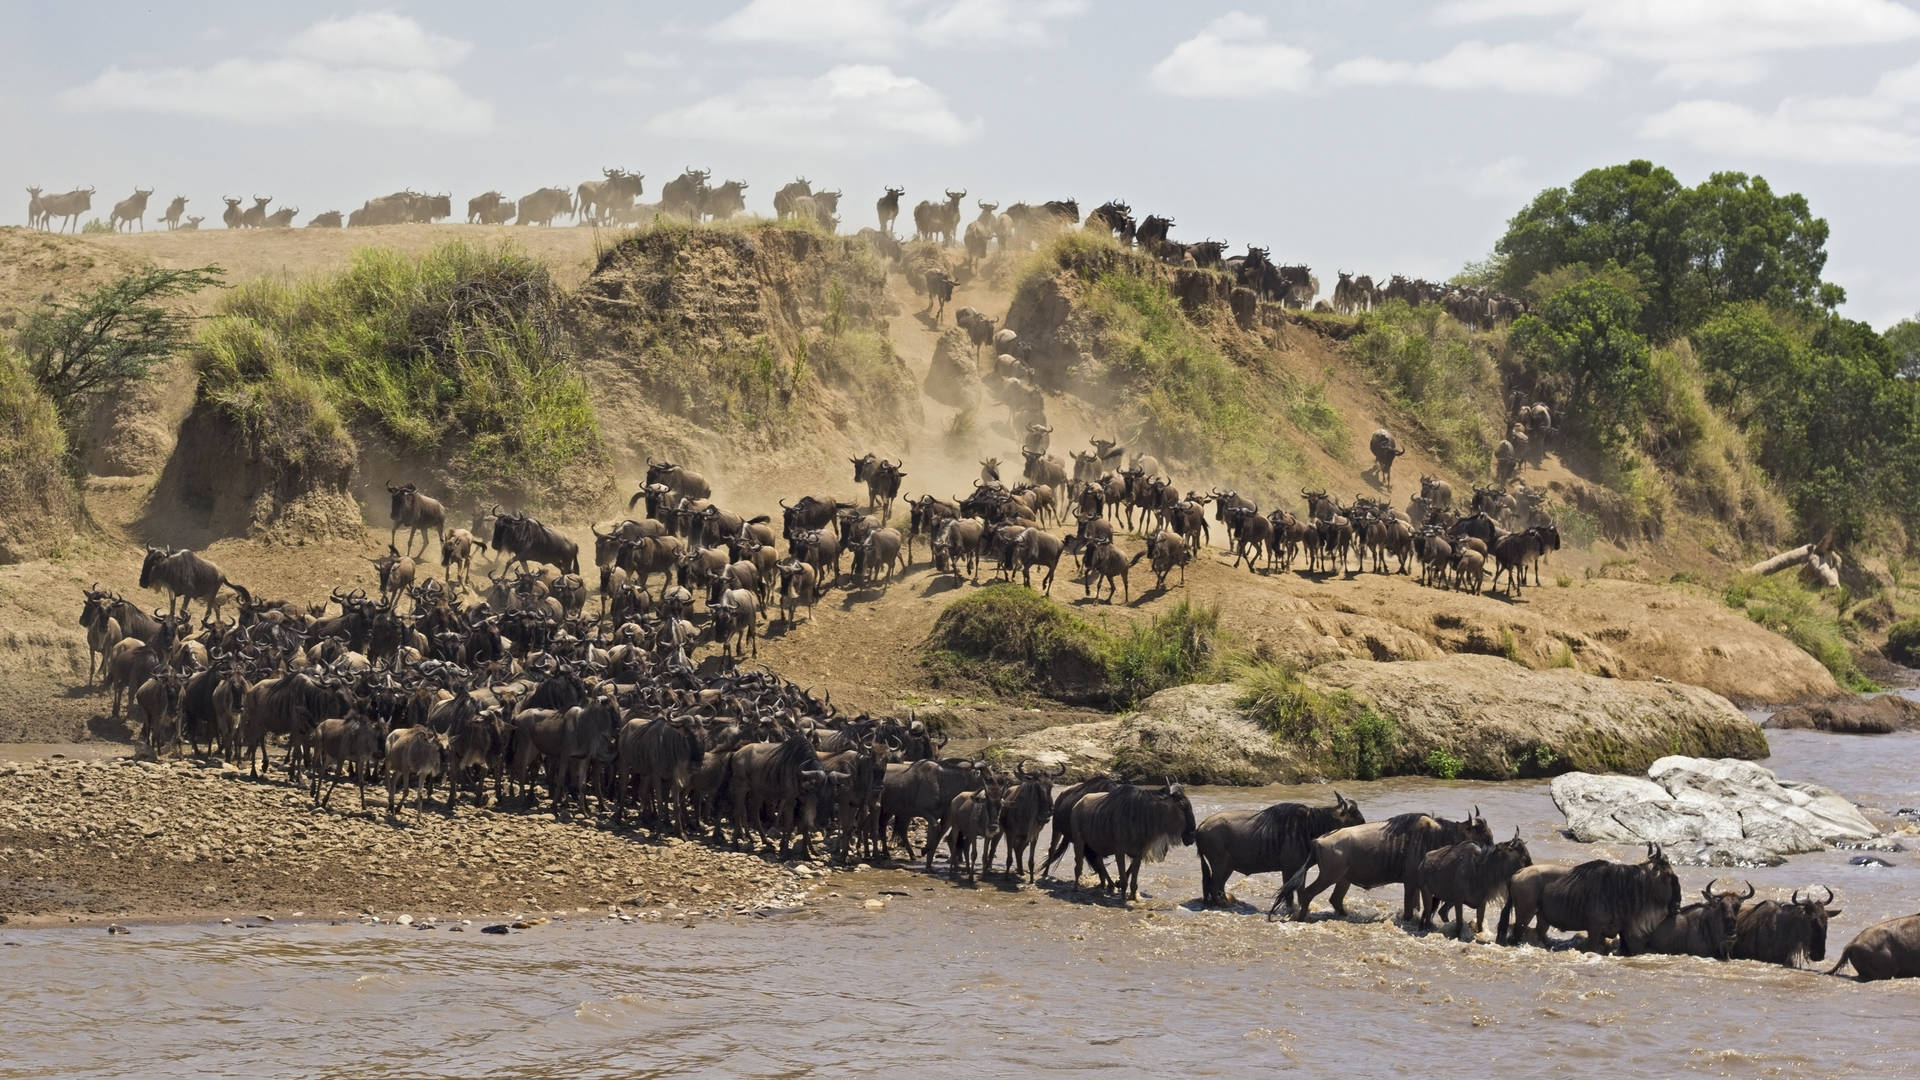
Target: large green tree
pixel 1693 249
pixel 1583 336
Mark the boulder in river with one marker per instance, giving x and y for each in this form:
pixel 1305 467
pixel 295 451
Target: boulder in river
pixel 1711 812
pixel 1861 716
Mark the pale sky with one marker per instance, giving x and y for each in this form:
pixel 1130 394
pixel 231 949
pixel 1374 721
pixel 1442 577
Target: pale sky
pixel 1371 136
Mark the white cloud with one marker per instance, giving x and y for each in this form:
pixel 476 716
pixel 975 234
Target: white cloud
pixel 369 70
pixel 1233 56
pixel 858 27
pixel 844 108
pixel 377 39
pixel 1901 85
pixel 878 28
pixel 1516 67
pixel 286 91
pixel 996 22
pixel 1707 42
pixel 1820 131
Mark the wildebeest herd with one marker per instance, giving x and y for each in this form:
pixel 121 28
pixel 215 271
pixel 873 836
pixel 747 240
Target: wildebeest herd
pixel 521 692
pixel 615 199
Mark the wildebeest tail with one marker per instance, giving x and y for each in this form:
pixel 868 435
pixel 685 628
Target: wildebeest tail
pixel 245 596
pixel 1294 883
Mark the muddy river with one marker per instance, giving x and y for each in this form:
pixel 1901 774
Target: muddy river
pixel 988 981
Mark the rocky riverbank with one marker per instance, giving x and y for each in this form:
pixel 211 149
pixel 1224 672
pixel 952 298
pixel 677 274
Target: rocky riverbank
pixel 123 839
pixel 1469 716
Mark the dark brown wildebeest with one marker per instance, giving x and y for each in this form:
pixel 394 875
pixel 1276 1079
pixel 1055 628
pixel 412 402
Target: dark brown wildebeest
pixel 1778 933
pixel 1885 950
pixel 661 754
pixel 773 782
pixel 1384 448
pixel 1063 815
pixel 1514 551
pixel 887 208
pixel 736 624
pixel 1706 929
pixel 1605 899
pixel 186 577
pixel 155 709
pixel 1274 840
pixel 1105 562
pixel 292 705
pixel 349 743
pixel 417 513
pixel 678 479
pixel 395 572
pixel 682 196
pixel 973 817
pixel 922 790
pixel 524 540
pixel 1375 854
pixel 1469 875
pixel 103 630
pixel 1032 547
pixel 416 758
pixel 1028 804
pixel 939 291
pixel 1134 825
pixel 722 202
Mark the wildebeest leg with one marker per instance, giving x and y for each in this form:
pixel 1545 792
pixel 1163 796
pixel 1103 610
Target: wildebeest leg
pixel 1338 901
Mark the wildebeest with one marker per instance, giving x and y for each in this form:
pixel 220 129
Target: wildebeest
pixel 662 754
pixel 417 513
pixel 1605 899
pixel 724 201
pixel 677 479
pixel 1375 854
pixel 186 577
pixel 681 196
pixel 416 758
pixel 940 292
pixel 770 783
pixel 1703 929
pixel 68 206
pixel 1885 950
pixel 1778 933
pixel 1132 824
pixel 1384 448
pixel 598 200
pixel 1469 875
pixel 932 219
pixel 973 819
pixel 131 209
pixel 350 743
pixel 1105 562
pixel 887 208
pixel 542 206
pixel 456 553
pixel 175 209
pixel 1023 814
pixel 921 790
pixel 524 540
pixel 1273 840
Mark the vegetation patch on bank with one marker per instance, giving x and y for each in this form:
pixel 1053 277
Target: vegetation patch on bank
pixel 458 357
pixel 1018 642
pixel 38 504
pixel 1805 618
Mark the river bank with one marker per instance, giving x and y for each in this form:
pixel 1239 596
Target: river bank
pixel 840 987
pixel 117 839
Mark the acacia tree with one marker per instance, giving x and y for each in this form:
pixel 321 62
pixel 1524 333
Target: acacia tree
pixel 114 335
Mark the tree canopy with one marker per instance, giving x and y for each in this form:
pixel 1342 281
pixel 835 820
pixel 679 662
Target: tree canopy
pixel 113 335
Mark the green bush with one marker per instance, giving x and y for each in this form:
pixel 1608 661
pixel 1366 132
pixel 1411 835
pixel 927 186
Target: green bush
pixel 1442 373
pixel 1018 641
pixel 1348 739
pixel 458 355
pixel 1903 642
pixel 1443 765
pixel 1798 614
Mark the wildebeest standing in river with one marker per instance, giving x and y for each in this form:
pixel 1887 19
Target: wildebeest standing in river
pixel 1274 840
pixel 1887 950
pixel 1375 854
pixel 1132 824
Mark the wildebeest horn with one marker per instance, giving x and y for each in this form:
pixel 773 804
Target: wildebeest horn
pixel 1748 895
pixel 1476 812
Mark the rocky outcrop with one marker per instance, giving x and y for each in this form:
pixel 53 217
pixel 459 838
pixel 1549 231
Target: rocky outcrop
pixel 1475 716
pixel 1863 716
pixel 1708 812
pixel 1501 720
pixel 1192 734
pixel 951 378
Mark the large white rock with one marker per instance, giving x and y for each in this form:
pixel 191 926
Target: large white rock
pixel 1710 811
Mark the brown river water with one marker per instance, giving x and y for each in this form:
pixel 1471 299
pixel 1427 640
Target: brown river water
pixel 989 981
